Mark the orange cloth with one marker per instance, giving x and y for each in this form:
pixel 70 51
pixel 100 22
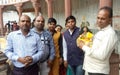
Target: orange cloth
pixel 54 70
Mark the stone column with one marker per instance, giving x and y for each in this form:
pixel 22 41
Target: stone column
pixel 19 8
pixel 36 6
pixel 114 64
pixel 1 21
pixel 114 59
pixel 68 8
pixel 108 3
pixel 50 8
pixel 103 3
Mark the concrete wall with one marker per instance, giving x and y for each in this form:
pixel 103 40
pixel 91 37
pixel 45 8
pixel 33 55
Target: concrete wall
pixel 116 20
pixel 80 8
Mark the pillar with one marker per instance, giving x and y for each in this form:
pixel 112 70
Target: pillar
pixel 114 59
pixel 19 8
pixel 36 6
pixel 108 3
pixel 1 21
pixel 68 8
pixel 103 3
pixel 50 8
pixel 114 64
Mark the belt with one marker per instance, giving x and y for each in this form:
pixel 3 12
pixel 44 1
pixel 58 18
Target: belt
pixel 22 68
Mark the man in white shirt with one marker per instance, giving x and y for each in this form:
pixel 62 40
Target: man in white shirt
pixel 96 60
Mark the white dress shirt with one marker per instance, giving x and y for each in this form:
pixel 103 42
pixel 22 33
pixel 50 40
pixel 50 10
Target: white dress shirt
pixel 64 49
pixel 97 58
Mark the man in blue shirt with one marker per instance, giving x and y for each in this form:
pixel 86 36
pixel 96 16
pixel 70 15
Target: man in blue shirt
pixel 47 40
pixel 24 48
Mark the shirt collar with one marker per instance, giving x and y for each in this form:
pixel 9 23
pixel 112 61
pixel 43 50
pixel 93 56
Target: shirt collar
pixel 34 30
pixel 105 28
pixel 72 31
pixel 19 32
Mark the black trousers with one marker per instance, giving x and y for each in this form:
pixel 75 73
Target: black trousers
pixel 96 73
pixel 30 70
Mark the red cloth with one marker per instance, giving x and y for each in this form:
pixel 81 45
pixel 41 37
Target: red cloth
pixel 62 70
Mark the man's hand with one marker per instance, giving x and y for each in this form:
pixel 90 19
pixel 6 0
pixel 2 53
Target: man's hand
pixel 81 44
pixel 65 64
pixel 22 60
pixel 26 60
pixel 49 63
pixel 61 61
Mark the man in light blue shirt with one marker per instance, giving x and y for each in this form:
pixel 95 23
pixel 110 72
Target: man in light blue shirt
pixel 47 40
pixel 24 48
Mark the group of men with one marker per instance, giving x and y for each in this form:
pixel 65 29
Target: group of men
pixel 27 47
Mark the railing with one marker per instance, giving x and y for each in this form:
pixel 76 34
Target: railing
pixel 9 2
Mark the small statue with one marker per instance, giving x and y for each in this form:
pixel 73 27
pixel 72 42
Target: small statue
pixel 84 22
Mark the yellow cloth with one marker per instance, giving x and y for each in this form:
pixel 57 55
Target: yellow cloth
pixel 87 38
pixel 2 44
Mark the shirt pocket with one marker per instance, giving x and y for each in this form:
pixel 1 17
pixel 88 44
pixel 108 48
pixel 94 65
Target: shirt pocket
pixel 45 40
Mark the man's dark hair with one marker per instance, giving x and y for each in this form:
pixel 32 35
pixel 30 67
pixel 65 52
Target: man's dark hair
pixel 109 9
pixel 70 17
pixel 52 20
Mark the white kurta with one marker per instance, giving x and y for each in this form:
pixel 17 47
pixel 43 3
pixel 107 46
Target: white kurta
pixel 97 58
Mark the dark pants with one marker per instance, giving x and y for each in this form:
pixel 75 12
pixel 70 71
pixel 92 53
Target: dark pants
pixel 96 74
pixel 30 70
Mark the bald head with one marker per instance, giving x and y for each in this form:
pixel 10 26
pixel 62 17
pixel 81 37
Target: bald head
pixel 104 17
pixel 25 16
pixel 107 9
pixel 25 23
pixel 40 17
pixel 39 23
